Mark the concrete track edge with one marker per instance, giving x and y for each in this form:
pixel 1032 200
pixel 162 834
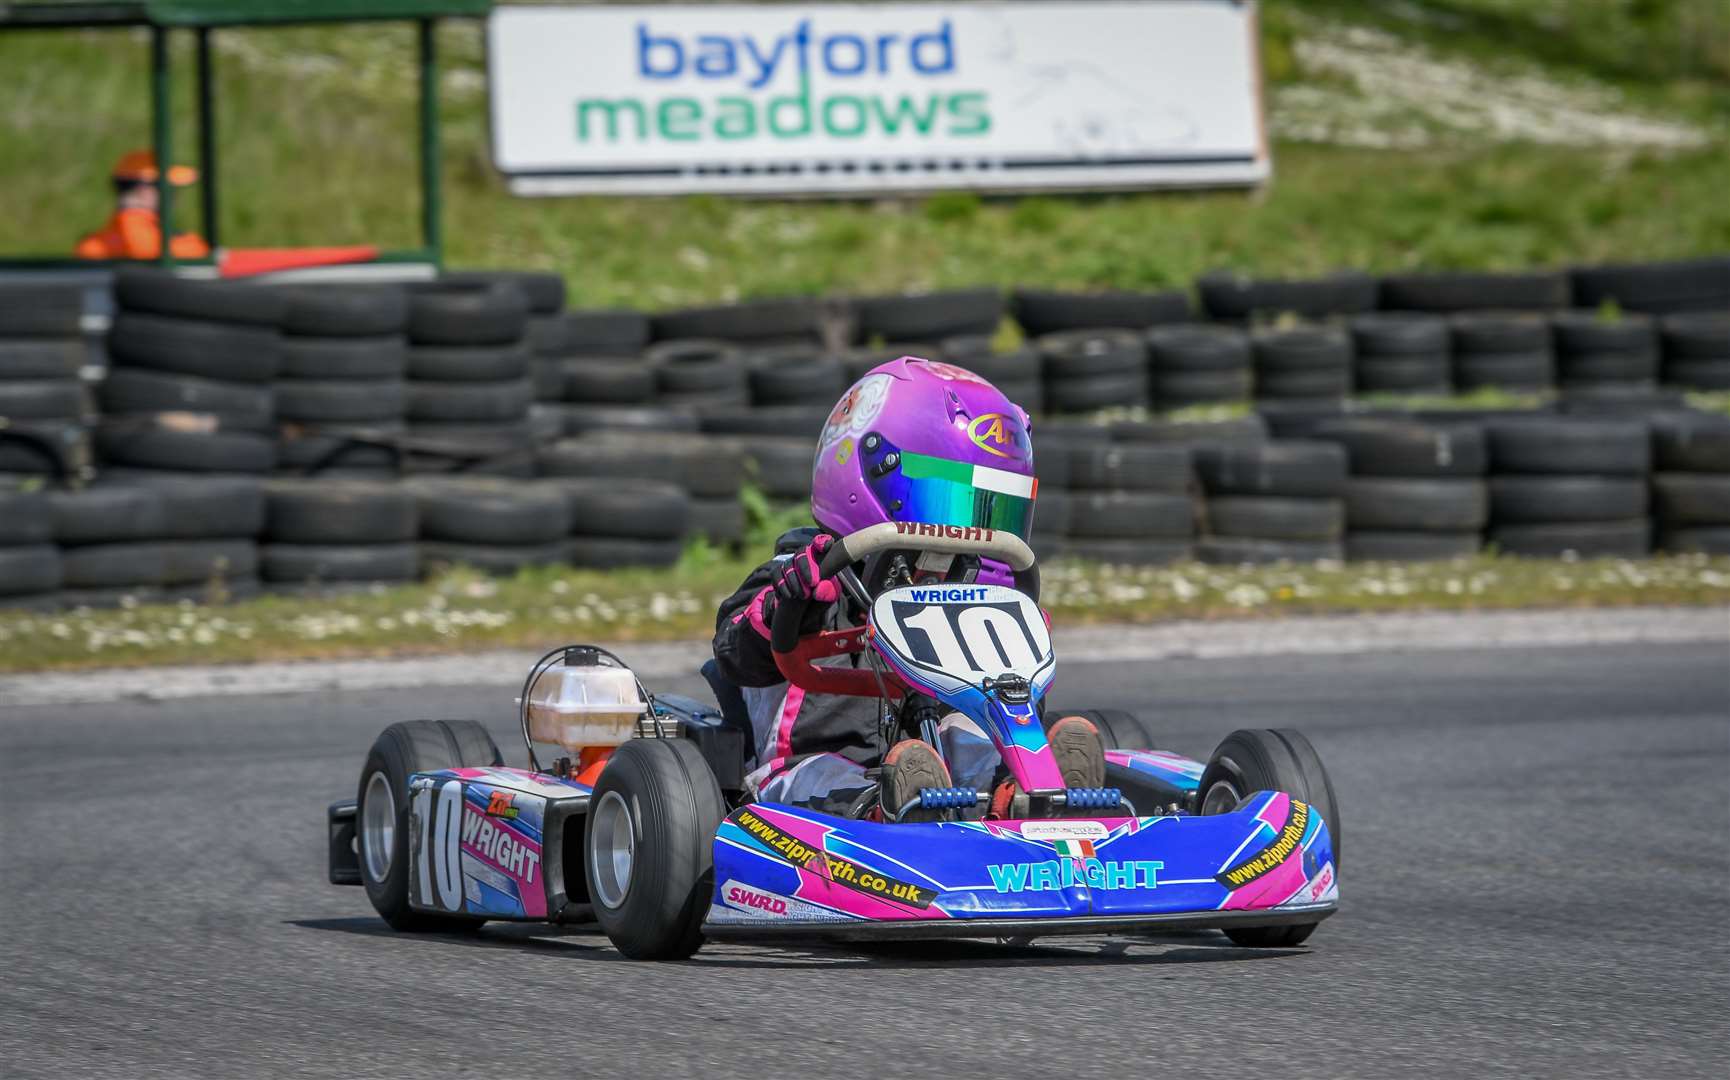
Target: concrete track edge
pixel 1295 635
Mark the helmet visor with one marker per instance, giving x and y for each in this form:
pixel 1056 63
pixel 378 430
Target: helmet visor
pixel 937 491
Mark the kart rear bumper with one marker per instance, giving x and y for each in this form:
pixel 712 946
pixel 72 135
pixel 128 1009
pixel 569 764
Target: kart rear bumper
pixel 925 929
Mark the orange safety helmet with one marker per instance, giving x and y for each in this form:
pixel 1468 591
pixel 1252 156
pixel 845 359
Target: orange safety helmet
pixel 139 167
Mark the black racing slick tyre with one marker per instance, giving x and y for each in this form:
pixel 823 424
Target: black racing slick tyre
pixel 1259 759
pixel 382 817
pixel 648 850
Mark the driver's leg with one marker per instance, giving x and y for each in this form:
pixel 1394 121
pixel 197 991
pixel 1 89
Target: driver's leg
pixel 827 782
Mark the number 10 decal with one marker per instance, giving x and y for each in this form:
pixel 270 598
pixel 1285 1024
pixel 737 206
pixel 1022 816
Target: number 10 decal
pixel 441 844
pixel 986 639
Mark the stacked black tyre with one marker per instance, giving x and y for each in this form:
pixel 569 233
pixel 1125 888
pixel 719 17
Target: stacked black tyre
pixel 1697 351
pixel 1130 504
pixel 928 317
pixel 29 561
pixel 326 533
pixel 1569 486
pixel 1416 491
pixel 1043 311
pixel 604 381
pixel 211 525
pixel 1054 447
pixel 1456 291
pixel 1087 370
pixel 1308 363
pixel 1658 288
pixel 1229 297
pixel 711 470
pixel 1277 501
pixel 1503 351
pixel 489 524
pixel 1018 373
pixel 340 391
pixel 113 544
pixel 635 522
pixel 1596 355
pixel 796 374
pixel 545 330
pixel 189 382
pixel 1691 484
pixel 790 320
pixel 469 379
pixel 699 373
pixel 1401 352
pixel 43 405
pixel 1197 365
pixel 779 466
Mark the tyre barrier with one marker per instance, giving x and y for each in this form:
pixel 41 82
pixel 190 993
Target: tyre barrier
pixel 484 374
pixel 44 407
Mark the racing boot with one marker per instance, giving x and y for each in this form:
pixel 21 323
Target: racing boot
pixel 1080 756
pixel 1079 751
pixel 909 765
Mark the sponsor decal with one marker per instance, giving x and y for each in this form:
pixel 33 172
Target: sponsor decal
pixel 793 850
pixel 952 532
pixel 1322 882
pixel 1064 830
pixel 855 411
pixel 1270 857
pixel 840 871
pixel 500 846
pixel 749 896
pixel 996 434
pixel 947 596
pixel 1076 849
pixel 790 86
pixel 499 804
pixel 844 451
pixel 1067 873
pixel 954 373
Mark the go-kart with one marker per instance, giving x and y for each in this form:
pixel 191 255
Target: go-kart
pixel 657 842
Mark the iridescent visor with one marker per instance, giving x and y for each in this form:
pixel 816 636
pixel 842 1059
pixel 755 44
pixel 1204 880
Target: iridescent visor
pixel 937 491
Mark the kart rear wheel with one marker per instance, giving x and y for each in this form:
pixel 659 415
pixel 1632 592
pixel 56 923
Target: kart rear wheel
pixel 649 847
pixel 381 813
pixel 1258 759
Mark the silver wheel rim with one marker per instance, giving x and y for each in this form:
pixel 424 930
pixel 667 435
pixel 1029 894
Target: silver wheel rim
pixel 377 826
pixel 612 849
pixel 1221 798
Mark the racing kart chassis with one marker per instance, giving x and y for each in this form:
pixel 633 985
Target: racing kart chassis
pixel 664 850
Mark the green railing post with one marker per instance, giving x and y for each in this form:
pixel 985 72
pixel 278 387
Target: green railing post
pixel 162 138
pixel 207 140
pixel 431 197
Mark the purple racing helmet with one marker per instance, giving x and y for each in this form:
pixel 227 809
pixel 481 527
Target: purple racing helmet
pixel 920 441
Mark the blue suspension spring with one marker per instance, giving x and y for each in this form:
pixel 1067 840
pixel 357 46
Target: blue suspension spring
pixel 947 798
pixel 1082 798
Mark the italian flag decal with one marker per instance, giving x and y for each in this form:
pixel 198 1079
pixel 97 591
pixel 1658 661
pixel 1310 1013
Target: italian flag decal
pixel 982 477
pixel 1076 849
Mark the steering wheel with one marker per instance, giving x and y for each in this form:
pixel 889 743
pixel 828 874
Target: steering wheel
pixel 794 654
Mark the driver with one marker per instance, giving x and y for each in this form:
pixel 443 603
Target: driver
pixel 911 441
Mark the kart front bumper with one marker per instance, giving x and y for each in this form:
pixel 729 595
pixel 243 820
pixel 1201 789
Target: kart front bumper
pixel 783 870
pixel 1115 925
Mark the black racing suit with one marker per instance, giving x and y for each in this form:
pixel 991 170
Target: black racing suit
pixel 827 739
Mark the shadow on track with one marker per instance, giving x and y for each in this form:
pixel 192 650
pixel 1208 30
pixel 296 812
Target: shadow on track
pixel 586 942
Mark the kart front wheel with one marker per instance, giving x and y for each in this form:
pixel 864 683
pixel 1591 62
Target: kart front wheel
pixel 1259 759
pixel 649 847
pixel 381 811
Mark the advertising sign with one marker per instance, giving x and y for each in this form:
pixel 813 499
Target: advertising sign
pixel 865 99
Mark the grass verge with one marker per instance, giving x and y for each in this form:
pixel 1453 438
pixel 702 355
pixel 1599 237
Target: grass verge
pixel 464 611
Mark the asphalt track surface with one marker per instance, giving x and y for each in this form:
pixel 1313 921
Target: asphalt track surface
pixel 1539 885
